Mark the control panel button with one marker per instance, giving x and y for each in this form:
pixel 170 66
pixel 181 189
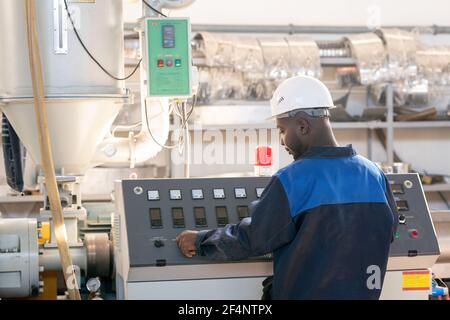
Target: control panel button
pixel 240 193
pixel 169 62
pixel 197 194
pixel 222 216
pixel 413 233
pixel 175 194
pixel 158 243
pixel 177 62
pixel 259 192
pixel 219 193
pixel 160 63
pixel 153 195
pixel 402 219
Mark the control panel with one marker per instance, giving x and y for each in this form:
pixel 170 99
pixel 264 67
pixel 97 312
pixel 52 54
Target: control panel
pixel 168 57
pixel 157 210
pixel 415 234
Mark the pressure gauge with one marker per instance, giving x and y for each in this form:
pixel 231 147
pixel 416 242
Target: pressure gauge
pixel 93 285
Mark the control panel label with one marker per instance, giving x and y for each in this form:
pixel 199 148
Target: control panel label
pixel 416 280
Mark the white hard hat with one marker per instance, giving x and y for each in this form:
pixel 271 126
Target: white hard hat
pixel 300 92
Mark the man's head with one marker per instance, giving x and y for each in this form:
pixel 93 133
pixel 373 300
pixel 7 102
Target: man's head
pixel 301 107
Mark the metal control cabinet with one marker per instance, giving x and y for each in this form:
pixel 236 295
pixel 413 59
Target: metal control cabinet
pixel 150 213
pixel 168 57
pixel 158 210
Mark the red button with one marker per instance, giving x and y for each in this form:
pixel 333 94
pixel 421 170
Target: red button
pixel 160 63
pixel 169 63
pixel 413 233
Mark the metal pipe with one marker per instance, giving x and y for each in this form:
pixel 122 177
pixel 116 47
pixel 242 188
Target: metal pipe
pixel 50 258
pixel 293 29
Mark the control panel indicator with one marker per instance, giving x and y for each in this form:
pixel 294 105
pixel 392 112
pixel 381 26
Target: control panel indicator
pixel 402 205
pixel 240 193
pixel 219 193
pixel 222 216
pixel 153 195
pixel 155 218
pixel 259 192
pixel 178 218
pixel 197 194
pixel 414 233
pixel 397 188
pixel 138 190
pixel 200 217
pixel 242 212
pixel 175 194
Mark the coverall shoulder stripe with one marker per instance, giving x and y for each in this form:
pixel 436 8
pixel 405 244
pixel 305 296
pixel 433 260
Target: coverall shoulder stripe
pixel 310 183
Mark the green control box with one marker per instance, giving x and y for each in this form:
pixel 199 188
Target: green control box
pixel 169 63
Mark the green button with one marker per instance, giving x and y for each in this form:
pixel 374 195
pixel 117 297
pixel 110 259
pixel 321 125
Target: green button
pixel 397 235
pixel 178 63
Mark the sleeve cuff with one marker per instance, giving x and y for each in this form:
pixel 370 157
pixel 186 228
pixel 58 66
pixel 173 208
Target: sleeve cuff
pixel 198 242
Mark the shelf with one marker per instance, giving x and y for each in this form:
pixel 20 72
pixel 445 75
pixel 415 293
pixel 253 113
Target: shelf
pixel 436 187
pixel 335 125
pixel 422 124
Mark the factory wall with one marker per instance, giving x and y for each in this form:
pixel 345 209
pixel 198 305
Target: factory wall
pixel 317 13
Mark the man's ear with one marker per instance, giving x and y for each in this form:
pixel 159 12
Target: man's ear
pixel 303 126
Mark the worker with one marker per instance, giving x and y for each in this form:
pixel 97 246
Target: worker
pixel 328 217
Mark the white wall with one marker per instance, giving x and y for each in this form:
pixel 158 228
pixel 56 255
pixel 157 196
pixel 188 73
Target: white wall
pixel 318 12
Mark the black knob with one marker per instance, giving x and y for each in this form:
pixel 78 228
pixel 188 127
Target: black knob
pixel 158 243
pixel 401 219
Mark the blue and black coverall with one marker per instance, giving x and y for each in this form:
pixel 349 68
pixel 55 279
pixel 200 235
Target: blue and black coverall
pixel 328 218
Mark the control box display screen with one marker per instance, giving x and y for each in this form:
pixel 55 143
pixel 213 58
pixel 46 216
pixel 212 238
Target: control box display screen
pixel 222 216
pixel 178 218
pixel 242 212
pixel 168 36
pixel 200 217
pixel 155 218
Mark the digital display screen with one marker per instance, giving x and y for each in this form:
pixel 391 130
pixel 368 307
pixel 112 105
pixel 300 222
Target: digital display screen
pixel 168 36
pixel 155 217
pixel 397 188
pixel 402 205
pixel 242 212
pixel 200 217
pixel 222 216
pixel 178 217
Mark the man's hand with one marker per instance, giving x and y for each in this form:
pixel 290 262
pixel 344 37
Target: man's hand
pixel 186 242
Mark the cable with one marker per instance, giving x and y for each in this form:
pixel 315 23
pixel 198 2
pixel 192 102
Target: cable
pixel 151 134
pixel 90 54
pixel 184 124
pixel 154 9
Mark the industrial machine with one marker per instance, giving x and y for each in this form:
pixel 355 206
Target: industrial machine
pixel 83 40
pixel 150 213
pixel 139 259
